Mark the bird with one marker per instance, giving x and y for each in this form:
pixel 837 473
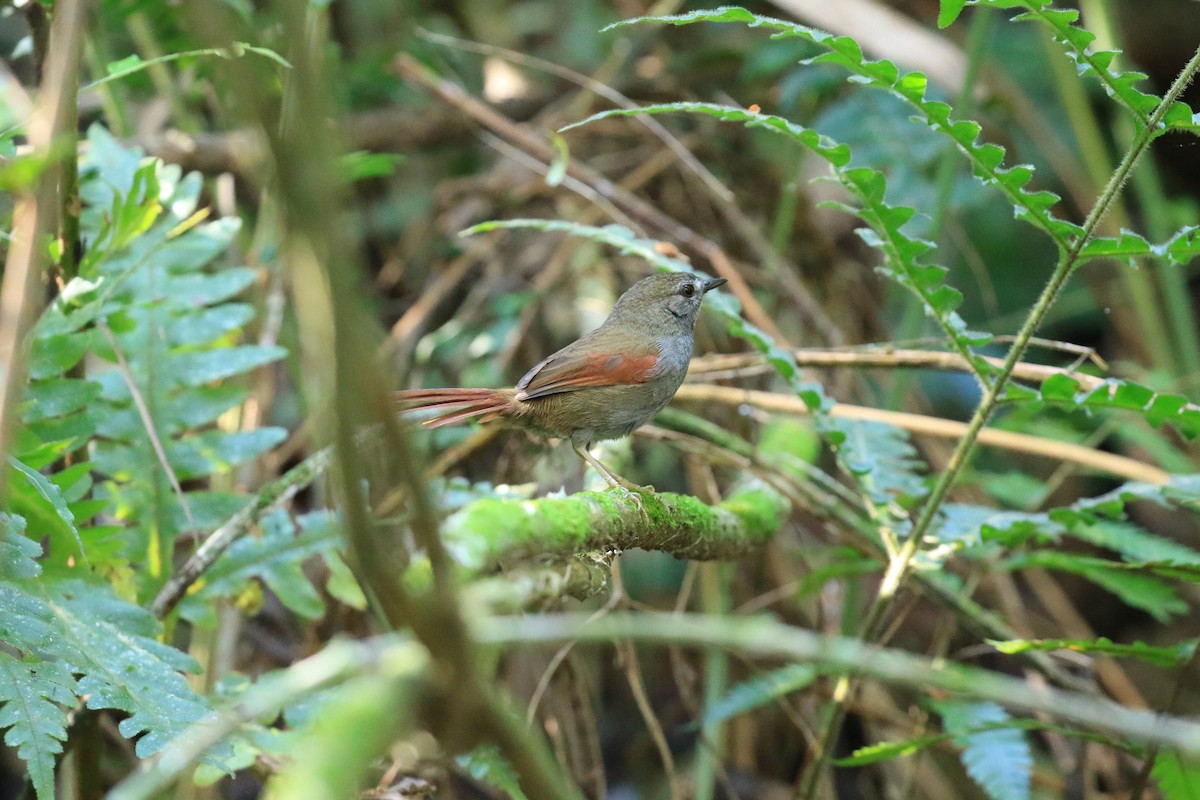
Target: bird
pixel 602 386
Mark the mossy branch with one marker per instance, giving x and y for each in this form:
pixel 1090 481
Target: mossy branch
pixel 489 532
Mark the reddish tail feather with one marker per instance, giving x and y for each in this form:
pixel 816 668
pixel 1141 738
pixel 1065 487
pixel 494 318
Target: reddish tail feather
pixel 487 404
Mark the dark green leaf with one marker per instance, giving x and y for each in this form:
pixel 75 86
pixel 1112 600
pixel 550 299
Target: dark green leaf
pixel 986 159
pixel 1094 62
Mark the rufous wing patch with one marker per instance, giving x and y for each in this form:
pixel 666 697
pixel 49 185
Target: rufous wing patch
pixel 572 372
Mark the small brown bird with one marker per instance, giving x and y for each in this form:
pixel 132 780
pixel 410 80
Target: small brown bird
pixel 602 386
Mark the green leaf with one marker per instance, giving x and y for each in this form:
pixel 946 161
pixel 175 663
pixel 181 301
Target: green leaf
pixel 562 157
pixel 1129 247
pixel 948 11
pixel 53 355
pixel 212 452
pixel 33 702
pixel 211 324
pixel 998 760
pixel 1080 518
pixel 760 690
pixel 131 65
pixel 1135 544
pixel 342 584
pixel 194 290
pixel 362 165
pixel 1175 656
pixel 1156 408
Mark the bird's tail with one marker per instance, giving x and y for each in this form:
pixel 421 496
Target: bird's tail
pixel 460 404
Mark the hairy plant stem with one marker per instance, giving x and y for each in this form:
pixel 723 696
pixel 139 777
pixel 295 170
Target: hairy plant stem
pixel 899 566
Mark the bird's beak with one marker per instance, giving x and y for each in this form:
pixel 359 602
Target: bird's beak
pixel 713 283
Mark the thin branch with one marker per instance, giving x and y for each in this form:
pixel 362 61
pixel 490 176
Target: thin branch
pixel 710 181
pixel 143 412
pixel 1112 463
pixel 536 145
pixel 885 357
pixel 633 675
pixel 268 497
pixel 761 637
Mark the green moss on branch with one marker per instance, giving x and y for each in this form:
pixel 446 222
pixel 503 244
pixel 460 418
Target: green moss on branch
pixel 489 532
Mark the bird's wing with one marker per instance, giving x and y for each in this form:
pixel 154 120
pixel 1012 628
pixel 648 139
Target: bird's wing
pixel 572 368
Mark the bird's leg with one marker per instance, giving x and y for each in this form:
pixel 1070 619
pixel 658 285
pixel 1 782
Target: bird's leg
pixel 611 478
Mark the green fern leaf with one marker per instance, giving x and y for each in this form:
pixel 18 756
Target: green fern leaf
pixel 1136 545
pixel 111 644
pixel 276 557
pixel 881 459
pixel 1178 777
pixel 987 160
pixel 1155 407
pixel 1096 63
pixel 34 697
pixel 39 501
pixel 1181 248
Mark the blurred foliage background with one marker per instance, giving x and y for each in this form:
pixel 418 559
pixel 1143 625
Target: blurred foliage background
pixel 445 115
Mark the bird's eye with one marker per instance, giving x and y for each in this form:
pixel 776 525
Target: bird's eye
pixel 688 289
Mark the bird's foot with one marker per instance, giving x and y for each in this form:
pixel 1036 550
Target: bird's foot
pixel 633 492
